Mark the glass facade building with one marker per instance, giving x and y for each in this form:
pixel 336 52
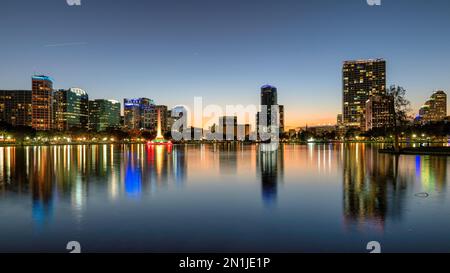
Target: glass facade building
pixel 435 108
pixel 104 114
pixel 71 109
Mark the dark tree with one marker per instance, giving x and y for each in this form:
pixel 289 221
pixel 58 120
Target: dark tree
pixel 401 110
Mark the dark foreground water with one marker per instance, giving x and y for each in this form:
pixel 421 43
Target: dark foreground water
pixel 223 198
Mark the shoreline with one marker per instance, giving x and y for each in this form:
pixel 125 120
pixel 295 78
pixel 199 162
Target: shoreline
pixel 404 150
pixel 438 151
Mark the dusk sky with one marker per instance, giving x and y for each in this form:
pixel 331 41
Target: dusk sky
pixel 223 51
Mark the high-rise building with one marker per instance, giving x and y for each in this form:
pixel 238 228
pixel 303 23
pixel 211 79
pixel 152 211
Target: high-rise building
pixel 15 107
pixel 269 95
pixel 42 103
pixel 139 114
pixel 243 132
pixel 274 115
pixel 228 128
pixel 104 114
pixel 379 112
pixel 71 108
pixel 435 108
pixel 281 111
pixel 170 120
pixel 361 80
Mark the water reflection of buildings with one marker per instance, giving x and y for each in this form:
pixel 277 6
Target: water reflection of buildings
pixel 270 166
pixel 377 185
pixel 374 188
pixel 146 168
pixel 67 173
pixel 24 171
pixel 228 157
pixel 432 172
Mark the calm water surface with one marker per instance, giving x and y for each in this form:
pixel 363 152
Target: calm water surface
pixel 221 198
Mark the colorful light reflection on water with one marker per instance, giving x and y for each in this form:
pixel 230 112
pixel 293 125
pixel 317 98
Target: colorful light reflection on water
pixel 219 198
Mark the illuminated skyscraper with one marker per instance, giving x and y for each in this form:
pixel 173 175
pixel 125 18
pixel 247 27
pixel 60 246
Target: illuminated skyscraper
pixel 435 108
pixel 42 103
pixel 15 107
pixel 361 80
pixel 104 114
pixel 71 109
pixel 269 95
pixel 281 111
pixel 274 115
pixel 379 112
pixel 139 114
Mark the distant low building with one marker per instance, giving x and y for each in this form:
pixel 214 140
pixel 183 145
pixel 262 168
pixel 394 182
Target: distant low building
pixel 319 130
pixel 292 133
pixel 192 133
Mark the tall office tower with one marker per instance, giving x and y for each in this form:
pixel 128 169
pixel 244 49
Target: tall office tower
pixel 15 107
pixel 379 112
pixel 440 104
pixel 228 127
pixel 281 111
pixel 243 132
pixel 435 108
pixel 139 114
pixel 104 114
pixel 170 120
pixel 42 103
pixel 361 80
pixel 71 109
pixel 269 95
pixel 269 98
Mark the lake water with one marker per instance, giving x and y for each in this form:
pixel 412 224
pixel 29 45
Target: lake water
pixel 222 198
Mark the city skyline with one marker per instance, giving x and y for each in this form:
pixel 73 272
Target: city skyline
pixel 159 56
pixel 246 116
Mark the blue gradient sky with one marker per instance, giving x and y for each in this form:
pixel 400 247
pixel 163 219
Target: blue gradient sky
pixel 173 50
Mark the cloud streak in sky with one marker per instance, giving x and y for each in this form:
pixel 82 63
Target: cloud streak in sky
pixel 66 44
